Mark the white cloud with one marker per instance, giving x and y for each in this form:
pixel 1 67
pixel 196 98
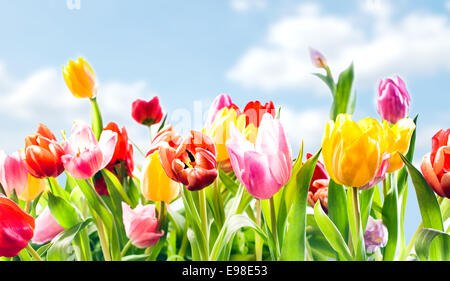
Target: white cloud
pixel 307 126
pixel 380 45
pixel 43 97
pixel 245 5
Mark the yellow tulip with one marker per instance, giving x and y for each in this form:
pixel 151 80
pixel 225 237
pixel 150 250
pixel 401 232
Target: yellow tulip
pixel 80 78
pixel 155 184
pixel 219 131
pixel 353 151
pixel 34 187
pixel 398 138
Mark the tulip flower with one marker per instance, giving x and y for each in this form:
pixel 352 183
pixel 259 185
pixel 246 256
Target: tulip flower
pixel 317 58
pixel 13 173
pixel 436 164
pixel 16 228
pixel 381 174
pixel 266 166
pixel 255 111
pixel 155 184
pixel 166 136
pixel 46 228
pixel 220 130
pixel 121 164
pixel 393 100
pixel 375 236
pixel 353 152
pixel 193 163
pixel 318 187
pixel 398 138
pixel 220 102
pixel 141 225
pixel 147 113
pixel 43 154
pixel 84 156
pixel 80 79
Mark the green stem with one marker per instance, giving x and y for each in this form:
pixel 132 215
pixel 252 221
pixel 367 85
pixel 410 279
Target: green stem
pixel 33 253
pixel 358 239
pixel 125 249
pixel 161 215
pixel 219 204
pixel 204 219
pixel 96 118
pixel 273 219
pixel 258 241
pixel 183 246
pixel 102 238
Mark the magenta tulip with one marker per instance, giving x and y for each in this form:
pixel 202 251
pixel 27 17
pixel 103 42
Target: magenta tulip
pixel 13 173
pixel 393 100
pixel 265 167
pixel 84 156
pixel 46 228
pixel 141 225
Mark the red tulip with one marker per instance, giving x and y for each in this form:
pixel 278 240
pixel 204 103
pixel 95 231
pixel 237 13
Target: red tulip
pixel 43 154
pixel 16 228
pixel 193 162
pixel 318 188
pixel 165 136
pixel 436 165
pixel 255 111
pixel 147 113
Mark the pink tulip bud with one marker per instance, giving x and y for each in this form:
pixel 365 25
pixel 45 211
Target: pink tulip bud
pixel 393 100
pixel 141 225
pixel 376 235
pixel 317 58
pixel 13 173
pixel 46 228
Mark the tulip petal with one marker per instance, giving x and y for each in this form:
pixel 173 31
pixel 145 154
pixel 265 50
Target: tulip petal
pixel 107 145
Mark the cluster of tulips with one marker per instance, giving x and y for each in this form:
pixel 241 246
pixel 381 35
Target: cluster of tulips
pixel 244 196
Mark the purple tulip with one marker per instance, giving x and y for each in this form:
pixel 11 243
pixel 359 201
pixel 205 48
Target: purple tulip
pixel 376 235
pixel 393 100
pixel 265 167
pixel 317 58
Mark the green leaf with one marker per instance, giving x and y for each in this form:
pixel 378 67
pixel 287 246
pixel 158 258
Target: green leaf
pixel 114 186
pixel 429 208
pixel 328 80
pixel 141 257
pixel 337 207
pixel 355 223
pixel 391 217
pixel 343 99
pixel 59 250
pixel 96 118
pixel 66 215
pixel 428 204
pixel 294 243
pixel 424 241
pixel 331 233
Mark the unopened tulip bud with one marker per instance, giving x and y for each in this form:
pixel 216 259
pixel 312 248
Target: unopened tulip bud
pixel 317 58
pixel 147 113
pixel 80 79
pixel 393 100
pixel 141 225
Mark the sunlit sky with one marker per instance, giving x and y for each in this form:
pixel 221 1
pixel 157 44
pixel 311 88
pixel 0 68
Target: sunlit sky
pixel 187 52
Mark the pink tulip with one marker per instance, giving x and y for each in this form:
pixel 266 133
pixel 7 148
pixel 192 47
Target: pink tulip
pixel 393 100
pixel 220 102
pixel 141 225
pixel 84 156
pixel 13 173
pixel 46 228
pixel 265 167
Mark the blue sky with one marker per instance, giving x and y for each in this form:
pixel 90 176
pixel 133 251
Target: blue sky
pixel 190 51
